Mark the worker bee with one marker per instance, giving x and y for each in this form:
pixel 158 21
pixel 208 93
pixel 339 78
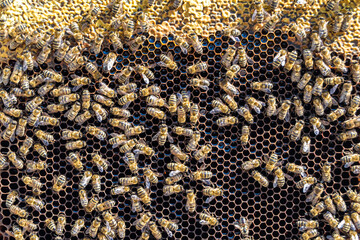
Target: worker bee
pixel 157 101
pixel 152 90
pixel 96 44
pixel 143 148
pixel 274 18
pixel 228 88
pixel 271 109
pixel 177 168
pixel 337 113
pixel 150 177
pixel 347 135
pixel 232 72
pixel 127 181
pixel 115 40
pixel 127 88
pixel 350 158
pixel 200 83
pixel 64 99
pixel 124 75
pixel 197 68
pixel 318 86
pixel 299 108
pixel 155 112
pixel 94 227
pixel 15 160
pixel 252 164
pixel 212 193
pixel 317 209
pixel 305 183
pixel 339 202
pixel 322 26
pixel 92 69
pixel 295 132
pixel 283 111
pixel 44 54
pixel 63 90
pixel 13 112
pixel 331 220
pixel 75 161
pixel 255 104
pixel 77 62
pixel 105 205
pixel 29 225
pixel 190 201
pixel 172 189
pixel 120 112
pixel 219 107
pixel 5 76
pixel 338 21
pixel 145 72
pixel 78 225
pixel 144 195
pixel 128 146
pixel 174 179
pixel 44 137
pixel 353 195
pixel 305 145
pixel 40 150
pixel 16 42
pixel 109 61
pixel 168 225
pixel 59 183
pixel 326 172
pixel 346 93
pixel 96 182
pixel 92 204
pixel 316 42
pixel 100 163
pixel 127 99
pixel 207 218
pixel 73 111
pixel 108 217
pixel 25 147
pixel 355 217
pixel 135 203
pixel 80 119
pixel 332 5
pixel 143 221
pixel 339 65
pixel 117 190
pixel 195 42
pixel 97 132
pixel 259 13
pixel 227 121
pixel 308 59
pixel 131 161
pixel 9 133
pixel 45 89
pixel 304 81
pixel 355 206
pixel 4 119
pixel 297 169
pixel 271 162
pixel 54 108
pixel 184 46
pixel 61 52
pixel 229 56
pixel 323 67
pixel 16 210
pixel 79 82
pixel 346 224
pixel 163 135
pixel 83 198
pixel 32 182
pixel 50 224
pixel 118 139
pixel 245 134
pixel 181 114
pixel 264 86
pixel 136 43
pixel 329 204
pixel 315 195
pixel 318 125
pixel 348 19
pixel 3 162
pixel 84 181
pixel 244 226
pixel 35 203
pixel 291 59
pixel 351 123
pixel 280 58
pixel 355 71
pixel 194 141
pixel 11 198
pixel 121 227
pixel 176 151
pixel 202 153
pixel 100 113
pixel 33 104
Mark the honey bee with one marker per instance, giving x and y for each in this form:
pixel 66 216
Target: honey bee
pixel 154 230
pixel 40 150
pixel 259 13
pixel 271 162
pixel 200 83
pixel 181 114
pixel 219 107
pixel 121 227
pixel 155 112
pixel 304 224
pixel 80 119
pixel 117 190
pixel 174 179
pixel 177 168
pixel 355 206
pixel 15 160
pixel 316 42
pixel 143 148
pixel 232 72
pixel 346 224
pixel 92 204
pixel 136 43
pixel 16 42
pixel 350 158
pixel 348 19
pixel 3 162
pixel 280 176
pixel 168 225
pixel 291 59
pixel 347 135
pixel 61 52
pixel 45 89
pixel 315 195
pixel 178 153
pixel 5 76
pixel 97 132
pixel 322 26
pixel 157 102
pixel 128 146
pixel 318 86
pixel 145 72
pixel 202 153
pixel 353 195
pixel 207 218
pixel 317 209
pixel 120 112
pixel 109 61
pixel 16 210
pixel 262 180
pixel 228 88
pixel 92 69
pixel 163 135
pixel 135 203
pixel 75 161
pixel 304 81
pixel 351 123
pixel 77 62
pixel 131 161
pixel 115 40
pixel 78 225
pixel 27 144
pixel 84 181
pixel 127 99
pixel 244 226
pixel 124 75
pixel 305 147
pixel 100 163
pixel 299 108
pixel 264 86
pixel 229 56
pixel 108 217
pixel 128 181
pixel 54 108
pixel 64 99
pixel 144 195
pixel 72 54
pixel 27 224
pixel 11 198
pixel 127 88
pixel 100 113
pixel 194 141
pixel 79 82
pixel 184 46
pixel 337 113
pixel 273 20
pixel 323 67
pixel 83 198
pixel 318 125
pixel 255 104
pixel 63 90
pixel 13 112
pixel 150 177
pixel 44 54
pixel 212 193
pixel 355 71
pixel 73 112
pixel 197 68
pixel 305 183
pixel 35 203
pixel 280 58
pixel 332 5
pixel 105 205
pixel 61 222
pixel 59 183
pixel 283 111
pixel 297 169
pixel 94 227
pixel 44 137
pixel 30 106
pixel 172 189
pixel 119 139
pixel 143 221
pixel 346 93
pixel 96 44
pixel 295 132
pixel 251 164
pixel 339 202
pixel 50 224
pixel 338 21
pixel 96 182
pixel 355 217
pixel 4 119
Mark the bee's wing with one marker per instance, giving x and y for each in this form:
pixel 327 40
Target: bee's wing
pixel 156 136
pixel 146 79
pixel 171 140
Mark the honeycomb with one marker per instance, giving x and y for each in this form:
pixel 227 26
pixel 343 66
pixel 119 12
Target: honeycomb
pixel 274 210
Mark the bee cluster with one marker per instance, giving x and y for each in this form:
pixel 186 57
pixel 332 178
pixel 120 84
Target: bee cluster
pixel 94 127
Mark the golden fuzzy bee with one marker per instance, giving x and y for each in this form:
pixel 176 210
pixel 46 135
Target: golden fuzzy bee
pixel 167 61
pixel 94 227
pixel 355 169
pixel 255 104
pixel 143 221
pixel 100 113
pixel 259 13
pixel 295 132
pixel 151 90
pixel 92 204
pixel 124 75
pixel 110 219
pixel 75 160
pixel 163 135
pixel 127 99
pixel 77 82
pixel 59 183
pixel 127 146
pixel 11 198
pixel 44 137
pixel 120 112
pixel 103 100
pixel 280 58
pixel 318 125
pixel 337 113
pixel 15 160
pixel 144 195
pixel 63 90
pixel 207 218
pixel 145 72
pixel 232 72
pixel 67 134
pixel 271 162
pixel 29 225
pixel 169 225
pixel 5 76
pixel 219 107
pixel 347 135
pixel 194 141
pixel 264 86
pixel 78 225
pixel 228 88
pixel 154 101
pixel 81 118
pixel 304 224
pixel 350 158
pixel 190 201
pixel 64 99
pixel 9 133
pixel 283 111
pixel 32 182
pixel 291 59
pixel 84 181
pixel 121 227
pixel 143 148
pixel 354 105
pixel 25 147
pixel 92 69
pixel 96 182
pixel 202 153
pixel 16 210
pixel 308 93
pixel 212 193
pixel 131 161
pixel 197 68
pixel 304 80
pixel 317 209
pixel 117 190
pixel 136 203
pixel 299 108
pixel 44 54
pixel 174 179
pixel 40 150
pixel 3 162
pixel 54 108
pixel 323 67
pixel 195 42
pixel 339 202
pixel 156 113
pixel 35 203
pixel 177 168
pixel 172 189
pixel 305 145
pixel 105 205
pixel 184 46
pixel 127 181
pixel 200 83
pixel 251 164
pixel 346 93
pixel 83 198
pixel 126 88
pixel 228 56
pixel 178 153
pixel 100 163
pixel 318 106
pixel 33 104
pixel 245 134
pixel 97 132
pixel 227 121
pixel 315 195
pixel 202 175
pixel 297 169
pixel 45 89
pixel 150 177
